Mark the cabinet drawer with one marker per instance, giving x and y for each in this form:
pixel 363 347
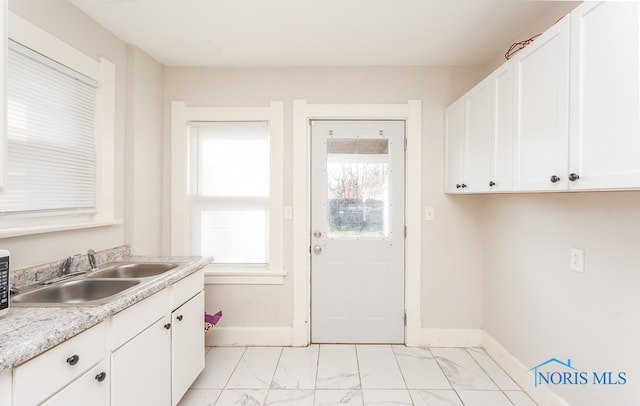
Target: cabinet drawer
pixel 186 288
pixel 42 376
pixel 92 388
pixel 129 322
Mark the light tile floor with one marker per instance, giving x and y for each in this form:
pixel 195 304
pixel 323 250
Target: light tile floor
pixel 352 375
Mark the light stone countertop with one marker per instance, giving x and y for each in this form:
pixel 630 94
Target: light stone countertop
pixel 26 332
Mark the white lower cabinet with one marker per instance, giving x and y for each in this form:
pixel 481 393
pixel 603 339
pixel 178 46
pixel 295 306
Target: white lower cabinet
pixel 187 346
pixel 158 345
pixel 141 368
pixel 148 354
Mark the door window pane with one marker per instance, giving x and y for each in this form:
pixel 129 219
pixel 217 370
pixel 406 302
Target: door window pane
pixel 358 188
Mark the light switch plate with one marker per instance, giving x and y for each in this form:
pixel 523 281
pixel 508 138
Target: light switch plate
pixel 429 213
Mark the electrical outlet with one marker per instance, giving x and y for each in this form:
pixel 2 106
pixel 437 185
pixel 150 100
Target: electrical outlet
pixel 576 259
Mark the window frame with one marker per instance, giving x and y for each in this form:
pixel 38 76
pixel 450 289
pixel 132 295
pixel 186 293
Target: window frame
pixel 103 72
pixel 181 117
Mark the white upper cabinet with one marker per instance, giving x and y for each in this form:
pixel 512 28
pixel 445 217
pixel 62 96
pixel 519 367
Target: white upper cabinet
pixel 455 128
pixel 501 178
pixel 605 96
pixel 541 137
pixel 478 142
pixel 562 114
pixel 468 125
pixel 479 127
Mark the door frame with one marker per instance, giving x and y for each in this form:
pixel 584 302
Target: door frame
pixel 303 112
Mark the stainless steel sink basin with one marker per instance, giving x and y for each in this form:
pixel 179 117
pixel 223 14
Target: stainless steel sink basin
pixel 132 270
pixel 80 292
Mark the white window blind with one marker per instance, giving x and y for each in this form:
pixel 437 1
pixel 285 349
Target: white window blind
pixel 230 191
pixel 51 137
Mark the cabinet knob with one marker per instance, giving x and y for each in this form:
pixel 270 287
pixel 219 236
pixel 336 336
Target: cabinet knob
pixel 458 186
pixel 180 317
pixel 492 183
pixel 167 326
pixel 101 376
pixel 574 177
pixel 463 186
pixel 72 360
pixel 554 179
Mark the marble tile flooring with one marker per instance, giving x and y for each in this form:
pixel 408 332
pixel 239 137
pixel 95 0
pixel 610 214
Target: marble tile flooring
pixel 352 375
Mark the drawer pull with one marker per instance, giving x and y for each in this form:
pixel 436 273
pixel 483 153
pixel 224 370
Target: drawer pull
pixel 180 317
pixel 72 360
pixel 101 376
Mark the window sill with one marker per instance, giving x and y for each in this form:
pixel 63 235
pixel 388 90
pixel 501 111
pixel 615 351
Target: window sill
pixel 242 276
pixel 42 229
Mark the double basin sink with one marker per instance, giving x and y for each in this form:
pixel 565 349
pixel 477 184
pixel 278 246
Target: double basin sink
pixel 92 288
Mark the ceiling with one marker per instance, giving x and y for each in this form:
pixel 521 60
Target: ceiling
pixel 264 33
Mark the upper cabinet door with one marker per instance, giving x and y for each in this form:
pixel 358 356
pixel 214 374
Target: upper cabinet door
pixel 477 162
pixel 455 130
pixel 542 112
pixel 501 179
pixel 605 93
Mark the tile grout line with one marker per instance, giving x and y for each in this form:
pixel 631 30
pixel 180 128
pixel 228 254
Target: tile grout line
pixel 404 379
pixel 435 358
pixel 273 375
pixel 466 349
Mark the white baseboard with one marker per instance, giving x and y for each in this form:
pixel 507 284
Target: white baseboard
pixel 542 395
pixel 249 336
pixel 451 337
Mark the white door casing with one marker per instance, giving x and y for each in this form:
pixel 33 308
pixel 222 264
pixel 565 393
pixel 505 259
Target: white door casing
pixel 411 112
pixel 357 265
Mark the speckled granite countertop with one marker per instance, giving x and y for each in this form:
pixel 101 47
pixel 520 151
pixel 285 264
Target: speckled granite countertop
pixel 25 332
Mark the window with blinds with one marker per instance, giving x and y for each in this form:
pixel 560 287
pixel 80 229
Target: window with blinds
pixel 51 137
pixel 230 191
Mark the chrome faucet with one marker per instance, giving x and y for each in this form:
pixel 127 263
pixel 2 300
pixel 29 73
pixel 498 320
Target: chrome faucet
pixel 91 254
pixel 66 265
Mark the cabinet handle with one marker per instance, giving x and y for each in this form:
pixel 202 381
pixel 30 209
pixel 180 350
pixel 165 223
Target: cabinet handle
pixel 101 376
pixel 167 326
pixel 492 183
pixel 458 186
pixel 72 360
pixel 180 317
pixel 463 186
pixel 574 177
pixel 554 179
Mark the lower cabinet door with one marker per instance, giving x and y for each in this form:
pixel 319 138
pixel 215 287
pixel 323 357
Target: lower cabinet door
pixel 187 345
pixel 92 388
pixel 141 368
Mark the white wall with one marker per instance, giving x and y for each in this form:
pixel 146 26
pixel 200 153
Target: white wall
pixel 538 309
pixel 452 249
pixel 73 27
pixel 144 153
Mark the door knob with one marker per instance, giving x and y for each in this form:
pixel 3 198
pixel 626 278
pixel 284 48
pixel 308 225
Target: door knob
pixel 317 249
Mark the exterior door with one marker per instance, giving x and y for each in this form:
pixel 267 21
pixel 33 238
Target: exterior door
pixel 357 241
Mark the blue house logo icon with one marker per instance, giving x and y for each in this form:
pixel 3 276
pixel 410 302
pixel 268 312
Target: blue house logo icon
pixel 554 377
